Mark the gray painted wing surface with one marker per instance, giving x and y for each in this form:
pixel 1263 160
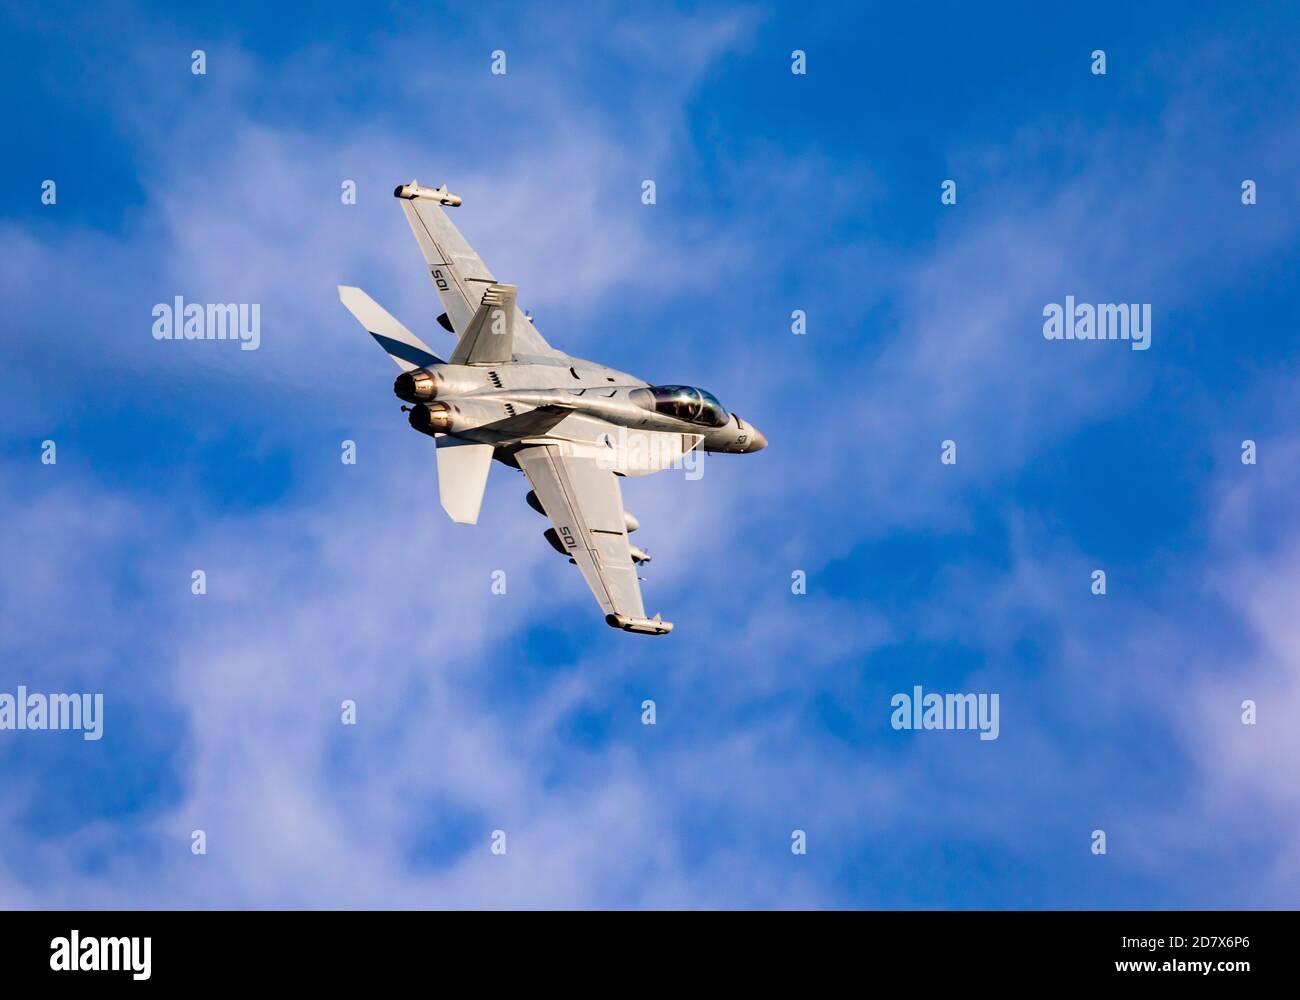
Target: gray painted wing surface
pixel 459 276
pixel 583 501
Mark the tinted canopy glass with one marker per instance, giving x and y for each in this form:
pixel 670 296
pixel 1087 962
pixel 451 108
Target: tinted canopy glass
pixel 688 403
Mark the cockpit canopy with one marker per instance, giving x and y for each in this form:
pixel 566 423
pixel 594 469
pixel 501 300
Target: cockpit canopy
pixel 685 402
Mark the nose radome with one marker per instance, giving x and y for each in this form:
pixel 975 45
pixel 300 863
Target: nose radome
pixel 757 442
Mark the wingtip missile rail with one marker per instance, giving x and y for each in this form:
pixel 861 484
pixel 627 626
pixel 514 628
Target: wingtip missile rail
pixel 413 190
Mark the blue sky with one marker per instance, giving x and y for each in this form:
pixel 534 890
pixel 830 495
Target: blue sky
pixel 522 711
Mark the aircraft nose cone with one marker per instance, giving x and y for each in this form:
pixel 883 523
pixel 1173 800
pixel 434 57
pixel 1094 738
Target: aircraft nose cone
pixel 757 442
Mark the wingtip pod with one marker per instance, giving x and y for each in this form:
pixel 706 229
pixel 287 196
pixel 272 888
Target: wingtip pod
pixel 642 626
pixel 413 190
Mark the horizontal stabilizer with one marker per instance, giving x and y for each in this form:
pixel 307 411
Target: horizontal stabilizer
pixel 406 349
pixel 462 477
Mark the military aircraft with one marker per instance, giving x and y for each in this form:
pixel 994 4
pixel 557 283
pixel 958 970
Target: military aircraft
pixel 571 426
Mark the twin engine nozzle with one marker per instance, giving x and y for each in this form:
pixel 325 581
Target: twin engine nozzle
pixel 417 386
pixel 435 418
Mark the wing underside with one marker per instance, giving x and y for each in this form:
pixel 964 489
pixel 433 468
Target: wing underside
pixel 584 503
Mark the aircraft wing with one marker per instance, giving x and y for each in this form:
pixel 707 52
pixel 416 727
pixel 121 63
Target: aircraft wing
pixel 583 501
pixel 459 275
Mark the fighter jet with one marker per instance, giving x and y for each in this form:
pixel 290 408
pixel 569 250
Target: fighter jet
pixel 573 427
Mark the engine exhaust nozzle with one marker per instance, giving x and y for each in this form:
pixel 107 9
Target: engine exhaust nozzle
pixel 435 418
pixel 416 386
